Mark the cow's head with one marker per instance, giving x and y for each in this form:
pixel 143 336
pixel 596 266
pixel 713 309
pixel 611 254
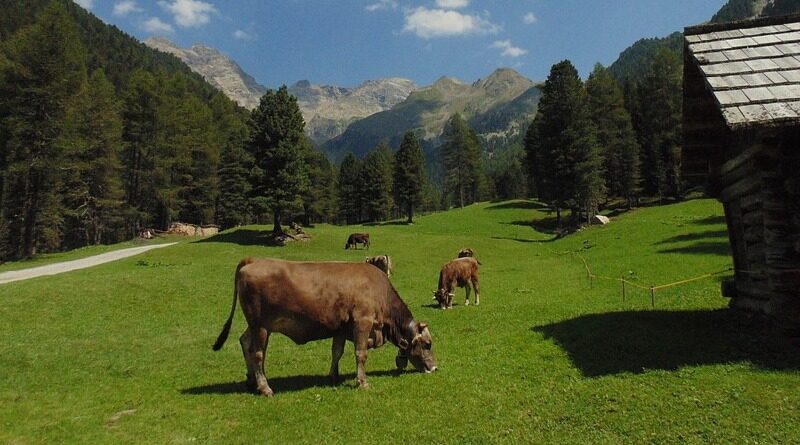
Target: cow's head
pixel 418 350
pixel 443 297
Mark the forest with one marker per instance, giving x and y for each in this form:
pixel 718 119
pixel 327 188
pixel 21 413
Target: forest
pixel 104 137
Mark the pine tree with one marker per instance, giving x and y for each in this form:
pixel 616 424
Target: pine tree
pixel 349 189
pixel 461 160
pixel 94 193
pixel 409 175
pixel 660 106
pixel 235 163
pixel 45 68
pixel 319 202
pixel 277 144
pixel 561 146
pixel 376 183
pixel 141 105
pixel 619 147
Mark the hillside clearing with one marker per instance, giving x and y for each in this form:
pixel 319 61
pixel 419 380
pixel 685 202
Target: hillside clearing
pixel 121 353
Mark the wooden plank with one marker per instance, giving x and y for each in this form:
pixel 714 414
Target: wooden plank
pixel 740 188
pixel 745 156
pixel 751 202
pixel 753 235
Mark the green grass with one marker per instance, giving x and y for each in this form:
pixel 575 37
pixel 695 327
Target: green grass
pixel 121 353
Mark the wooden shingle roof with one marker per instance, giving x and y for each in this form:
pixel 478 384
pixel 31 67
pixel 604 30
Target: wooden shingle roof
pixel 752 68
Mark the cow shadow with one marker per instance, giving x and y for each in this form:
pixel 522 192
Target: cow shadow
pixel 287 383
pixel 639 341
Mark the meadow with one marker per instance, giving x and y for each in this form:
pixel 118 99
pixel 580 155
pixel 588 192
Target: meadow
pixel 121 353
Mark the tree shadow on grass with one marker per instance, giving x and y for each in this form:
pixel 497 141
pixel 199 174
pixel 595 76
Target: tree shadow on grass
pixel 618 342
pixel 710 220
pixel 243 237
pixel 523 240
pixel 696 236
pixel 517 204
pixel 722 248
pixel 286 384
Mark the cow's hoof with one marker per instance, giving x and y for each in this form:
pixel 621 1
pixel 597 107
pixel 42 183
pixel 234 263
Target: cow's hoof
pixel 401 362
pixel 466 303
pixel 265 391
pixel 363 385
pixel 334 380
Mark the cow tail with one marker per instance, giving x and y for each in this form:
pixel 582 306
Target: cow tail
pixel 227 328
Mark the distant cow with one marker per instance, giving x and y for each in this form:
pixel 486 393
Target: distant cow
pixel 382 262
pixel 467 252
pixel 461 272
pixel 314 301
pixel 357 238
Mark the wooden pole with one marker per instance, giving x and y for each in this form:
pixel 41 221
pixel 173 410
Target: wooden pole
pixel 623 289
pixel 653 297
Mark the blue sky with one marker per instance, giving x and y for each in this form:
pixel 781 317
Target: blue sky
pixel 344 42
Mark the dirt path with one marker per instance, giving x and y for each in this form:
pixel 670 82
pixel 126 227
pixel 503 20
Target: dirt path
pixel 83 263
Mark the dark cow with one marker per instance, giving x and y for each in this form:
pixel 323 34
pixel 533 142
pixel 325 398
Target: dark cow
pixel 357 238
pixel 467 252
pixel 314 301
pixel 382 262
pixel 461 272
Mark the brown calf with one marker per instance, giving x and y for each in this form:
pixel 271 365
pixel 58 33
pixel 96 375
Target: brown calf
pixel 460 272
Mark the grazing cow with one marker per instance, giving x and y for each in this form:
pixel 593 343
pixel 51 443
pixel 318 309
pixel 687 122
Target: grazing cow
pixel 314 301
pixel 382 262
pixel 357 238
pixel 462 272
pixel 467 252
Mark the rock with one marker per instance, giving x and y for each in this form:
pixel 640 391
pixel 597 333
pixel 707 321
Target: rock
pixel 600 219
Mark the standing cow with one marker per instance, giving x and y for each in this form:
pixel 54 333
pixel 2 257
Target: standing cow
pixel 314 301
pixel 382 262
pixel 460 272
pixel 357 238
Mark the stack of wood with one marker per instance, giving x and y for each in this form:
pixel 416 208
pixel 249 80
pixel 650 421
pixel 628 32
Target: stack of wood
pixel 192 230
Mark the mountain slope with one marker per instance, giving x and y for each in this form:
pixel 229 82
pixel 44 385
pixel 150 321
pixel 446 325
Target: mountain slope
pixel 497 106
pixel 634 59
pixel 328 110
pixel 217 69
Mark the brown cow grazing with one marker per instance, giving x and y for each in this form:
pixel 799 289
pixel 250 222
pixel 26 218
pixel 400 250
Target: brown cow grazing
pixel 467 252
pixel 462 272
pixel 314 301
pixel 382 262
pixel 357 238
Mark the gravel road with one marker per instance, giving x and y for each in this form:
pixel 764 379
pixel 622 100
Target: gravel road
pixel 67 266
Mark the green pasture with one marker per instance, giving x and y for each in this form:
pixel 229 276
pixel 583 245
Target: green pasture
pixel 121 353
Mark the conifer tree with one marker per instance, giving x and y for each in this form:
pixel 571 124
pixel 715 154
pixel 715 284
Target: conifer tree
pixel 461 160
pixel 409 175
pixel 45 68
pixel 93 191
pixel 376 183
pixel 349 189
pixel 561 146
pixel 319 202
pixel 660 107
pixel 277 144
pixel 615 135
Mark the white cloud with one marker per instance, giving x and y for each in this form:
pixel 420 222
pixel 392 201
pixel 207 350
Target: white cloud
pixel 452 4
pixel 243 35
pixel 529 18
pixel 189 13
pixel 126 7
pixel 430 23
pixel 86 4
pixel 509 50
pixel 156 26
pixel 381 5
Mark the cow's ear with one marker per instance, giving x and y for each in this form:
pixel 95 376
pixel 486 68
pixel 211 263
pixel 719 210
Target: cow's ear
pixel 403 343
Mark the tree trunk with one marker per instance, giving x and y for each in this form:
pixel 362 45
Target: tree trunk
pixel 276 228
pixel 410 213
pixel 558 217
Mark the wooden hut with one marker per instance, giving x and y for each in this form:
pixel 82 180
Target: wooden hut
pixel 741 121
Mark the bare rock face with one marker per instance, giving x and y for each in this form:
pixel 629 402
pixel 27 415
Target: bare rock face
pixel 328 110
pixel 217 69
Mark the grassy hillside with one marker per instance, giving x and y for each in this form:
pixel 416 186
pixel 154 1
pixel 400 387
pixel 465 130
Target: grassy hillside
pixel 121 353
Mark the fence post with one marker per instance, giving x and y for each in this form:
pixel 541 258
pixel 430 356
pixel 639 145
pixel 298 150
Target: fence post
pixel 623 289
pixel 652 297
